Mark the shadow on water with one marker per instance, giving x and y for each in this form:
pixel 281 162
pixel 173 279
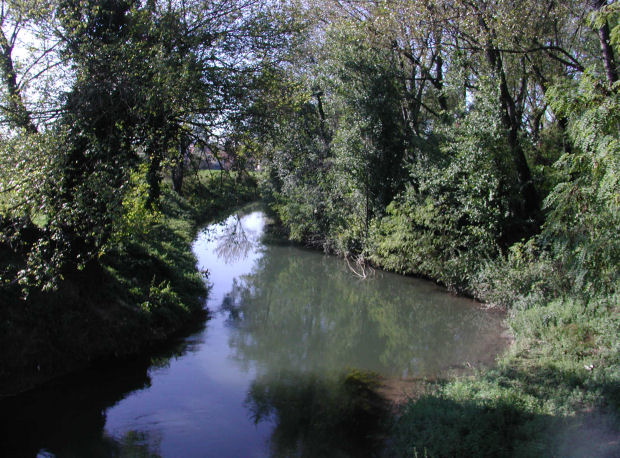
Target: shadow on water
pixel 66 417
pixel 321 416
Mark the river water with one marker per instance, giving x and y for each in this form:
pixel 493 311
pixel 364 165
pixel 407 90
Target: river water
pixel 300 358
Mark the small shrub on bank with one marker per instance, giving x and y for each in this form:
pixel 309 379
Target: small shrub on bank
pixel 525 275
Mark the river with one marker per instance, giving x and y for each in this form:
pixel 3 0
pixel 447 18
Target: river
pixel 300 357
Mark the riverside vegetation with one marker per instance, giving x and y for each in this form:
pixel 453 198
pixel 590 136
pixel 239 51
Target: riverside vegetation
pixel 472 143
pixel 140 292
pixel 102 103
pixel 476 144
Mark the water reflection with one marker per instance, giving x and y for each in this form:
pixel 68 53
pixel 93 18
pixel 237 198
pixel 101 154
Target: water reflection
pixel 235 240
pixel 66 418
pixel 291 364
pixel 138 444
pixel 299 310
pixel 341 415
pixel 323 344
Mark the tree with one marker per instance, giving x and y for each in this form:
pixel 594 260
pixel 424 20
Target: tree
pixel 602 14
pixel 144 80
pixel 24 24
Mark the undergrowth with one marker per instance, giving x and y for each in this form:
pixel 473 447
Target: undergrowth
pixel 555 393
pixel 143 289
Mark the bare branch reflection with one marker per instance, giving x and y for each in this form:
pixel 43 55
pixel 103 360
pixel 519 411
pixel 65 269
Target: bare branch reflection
pixel 235 241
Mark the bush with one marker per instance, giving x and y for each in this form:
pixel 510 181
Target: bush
pixel 524 276
pixel 455 211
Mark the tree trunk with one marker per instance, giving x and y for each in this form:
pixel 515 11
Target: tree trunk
pixel 607 52
pixel 17 113
pixel 178 171
pixel 441 98
pixel 153 178
pixel 530 204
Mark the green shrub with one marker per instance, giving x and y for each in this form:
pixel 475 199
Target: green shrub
pixel 525 275
pixel 137 218
pixel 455 211
pixel 440 426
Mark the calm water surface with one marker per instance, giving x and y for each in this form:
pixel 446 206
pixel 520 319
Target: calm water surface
pixel 294 361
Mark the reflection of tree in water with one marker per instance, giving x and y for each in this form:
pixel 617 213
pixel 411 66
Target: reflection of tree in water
pixel 235 241
pixel 68 417
pixel 321 416
pixel 136 444
pixel 301 320
pixel 231 304
pixel 302 310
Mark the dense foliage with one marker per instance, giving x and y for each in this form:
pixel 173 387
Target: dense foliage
pixel 427 142
pixel 102 103
pixel 473 143
pixel 476 144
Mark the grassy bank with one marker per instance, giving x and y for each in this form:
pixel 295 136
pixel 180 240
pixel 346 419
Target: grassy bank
pixel 556 392
pixel 138 293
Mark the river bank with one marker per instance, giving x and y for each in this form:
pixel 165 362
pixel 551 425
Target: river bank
pixel 554 386
pixel 554 392
pixel 137 295
pixel 548 394
pixel 292 360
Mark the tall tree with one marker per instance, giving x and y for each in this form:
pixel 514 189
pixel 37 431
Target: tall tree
pixel 602 27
